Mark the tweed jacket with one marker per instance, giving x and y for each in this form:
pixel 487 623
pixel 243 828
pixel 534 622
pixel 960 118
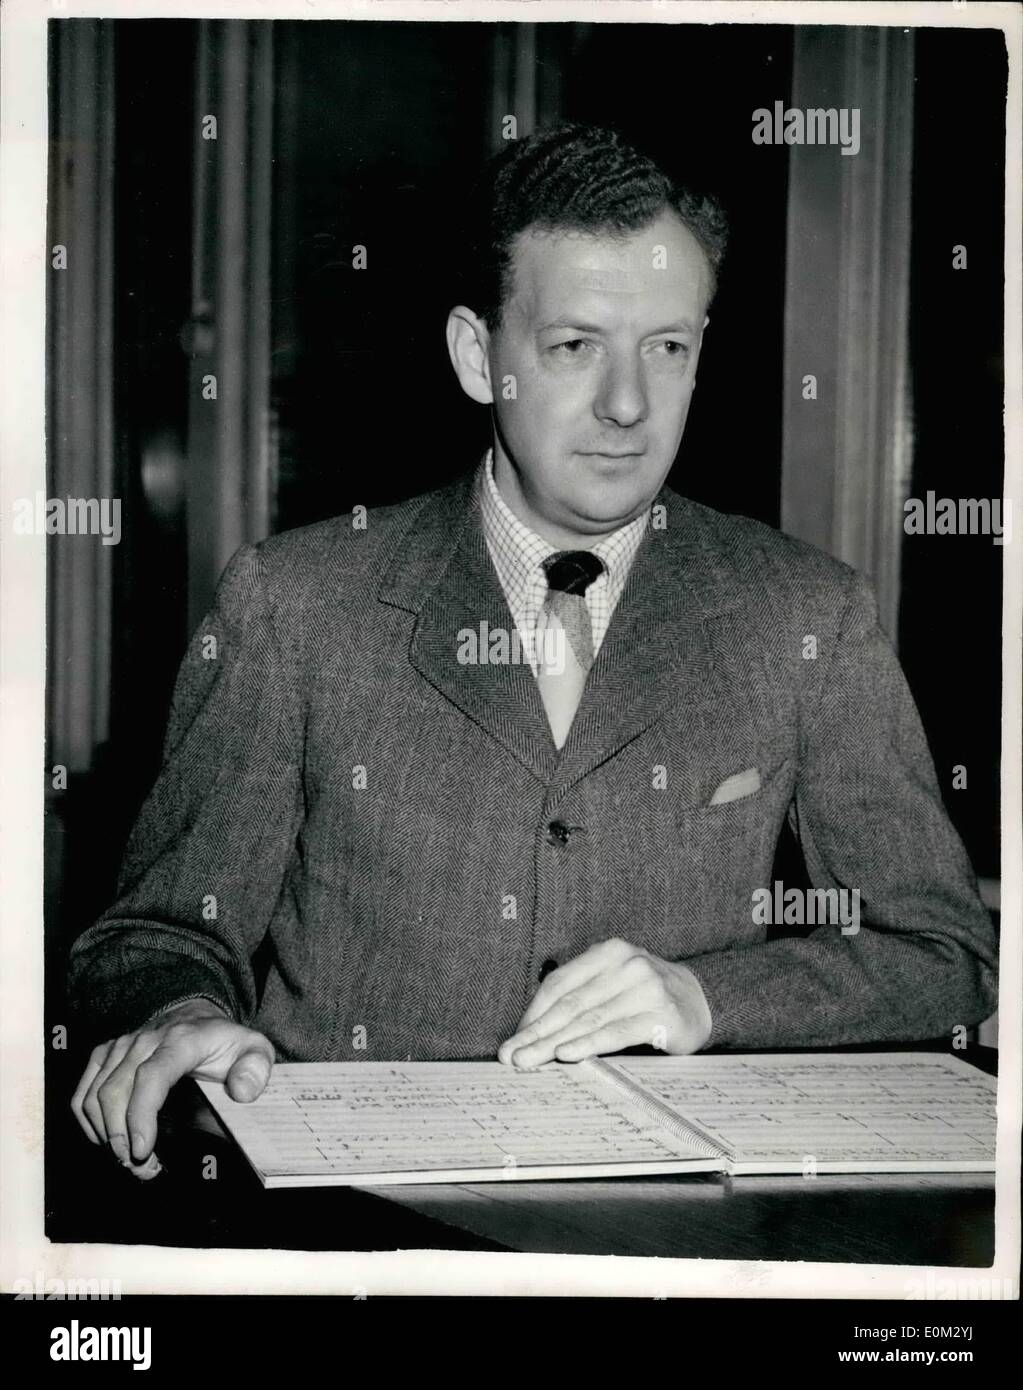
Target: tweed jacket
pixel 367 848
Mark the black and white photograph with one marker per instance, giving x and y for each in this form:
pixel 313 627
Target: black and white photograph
pixel 511 633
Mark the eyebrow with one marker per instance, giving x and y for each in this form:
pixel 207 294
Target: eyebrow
pixel 683 326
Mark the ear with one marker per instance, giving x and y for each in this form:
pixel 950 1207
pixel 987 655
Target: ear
pixel 469 349
pixel 703 330
pixel 699 347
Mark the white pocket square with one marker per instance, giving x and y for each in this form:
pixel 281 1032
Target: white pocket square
pixel 738 785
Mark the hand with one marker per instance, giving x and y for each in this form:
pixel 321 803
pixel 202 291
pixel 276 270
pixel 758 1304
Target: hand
pixel 612 996
pixel 127 1080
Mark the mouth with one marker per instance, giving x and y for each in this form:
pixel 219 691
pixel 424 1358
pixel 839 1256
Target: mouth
pixel 607 454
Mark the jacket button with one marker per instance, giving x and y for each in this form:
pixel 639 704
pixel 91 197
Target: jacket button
pixel 558 832
pixel 546 969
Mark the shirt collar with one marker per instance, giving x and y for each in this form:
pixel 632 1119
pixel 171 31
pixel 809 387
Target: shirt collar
pixel 519 552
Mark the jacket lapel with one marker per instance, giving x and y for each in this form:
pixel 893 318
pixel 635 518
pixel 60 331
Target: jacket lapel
pixel 445 575
pixel 656 653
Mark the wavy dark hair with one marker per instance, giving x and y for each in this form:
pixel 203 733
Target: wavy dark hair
pixel 582 178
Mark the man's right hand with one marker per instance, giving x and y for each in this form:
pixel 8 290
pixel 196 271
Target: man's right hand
pixel 127 1080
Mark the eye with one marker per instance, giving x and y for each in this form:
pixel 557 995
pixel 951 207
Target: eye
pixel 673 348
pixel 571 347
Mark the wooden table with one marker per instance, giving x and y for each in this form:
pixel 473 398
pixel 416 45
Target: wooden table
pixel 925 1219
pixel 863 1219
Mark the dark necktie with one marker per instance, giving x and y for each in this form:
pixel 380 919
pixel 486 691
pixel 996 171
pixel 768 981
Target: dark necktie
pixel 565 636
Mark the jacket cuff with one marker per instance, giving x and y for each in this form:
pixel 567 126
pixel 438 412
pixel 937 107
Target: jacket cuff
pixel 186 999
pixel 736 1010
pixel 125 1002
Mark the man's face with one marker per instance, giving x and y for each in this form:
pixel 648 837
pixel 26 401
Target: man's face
pixel 602 337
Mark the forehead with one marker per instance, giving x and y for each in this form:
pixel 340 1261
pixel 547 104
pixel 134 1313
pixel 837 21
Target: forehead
pixel 661 265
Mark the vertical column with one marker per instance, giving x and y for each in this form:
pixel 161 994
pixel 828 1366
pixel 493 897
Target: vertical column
pixel 847 426
pixel 230 466
pixel 79 407
pixel 526 81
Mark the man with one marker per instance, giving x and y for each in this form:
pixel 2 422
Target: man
pixel 505 771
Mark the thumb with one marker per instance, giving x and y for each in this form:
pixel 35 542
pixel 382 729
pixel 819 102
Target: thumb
pixel 248 1075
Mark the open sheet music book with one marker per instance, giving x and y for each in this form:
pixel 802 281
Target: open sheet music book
pixel 368 1123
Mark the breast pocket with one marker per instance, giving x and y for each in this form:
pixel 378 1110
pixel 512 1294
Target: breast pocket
pixel 725 851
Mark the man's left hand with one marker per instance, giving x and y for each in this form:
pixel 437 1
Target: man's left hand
pixel 614 995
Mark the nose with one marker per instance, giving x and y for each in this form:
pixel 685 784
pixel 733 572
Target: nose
pixel 622 398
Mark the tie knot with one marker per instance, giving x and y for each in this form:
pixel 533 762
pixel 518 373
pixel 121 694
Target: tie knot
pixel 572 571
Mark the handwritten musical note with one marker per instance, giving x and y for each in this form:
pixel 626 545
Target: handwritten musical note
pixel 369 1120
pixel 876 1109
pixel 381 1122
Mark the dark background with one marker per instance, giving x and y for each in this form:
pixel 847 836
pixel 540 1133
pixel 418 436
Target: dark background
pixel 378 132
pixel 378 127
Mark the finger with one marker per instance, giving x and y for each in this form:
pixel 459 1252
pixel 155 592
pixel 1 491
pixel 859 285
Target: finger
pixel 562 1012
pixel 591 962
pixel 670 1028
pixel 631 974
pixel 114 1092
pixel 248 1076
pixel 618 1006
pixel 612 1037
pixel 96 1059
pixel 181 1049
pixel 145 1172
pixel 91 1104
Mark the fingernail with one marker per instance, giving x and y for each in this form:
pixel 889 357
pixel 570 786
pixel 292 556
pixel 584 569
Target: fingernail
pixel 138 1146
pixel 150 1169
pixel 119 1145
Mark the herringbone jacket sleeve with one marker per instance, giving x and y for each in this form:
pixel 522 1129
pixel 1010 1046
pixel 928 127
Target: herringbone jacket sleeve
pixel 206 860
pixel 869 816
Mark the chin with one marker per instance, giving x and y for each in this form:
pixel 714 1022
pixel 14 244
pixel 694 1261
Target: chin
pixel 614 497
pixel 609 510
